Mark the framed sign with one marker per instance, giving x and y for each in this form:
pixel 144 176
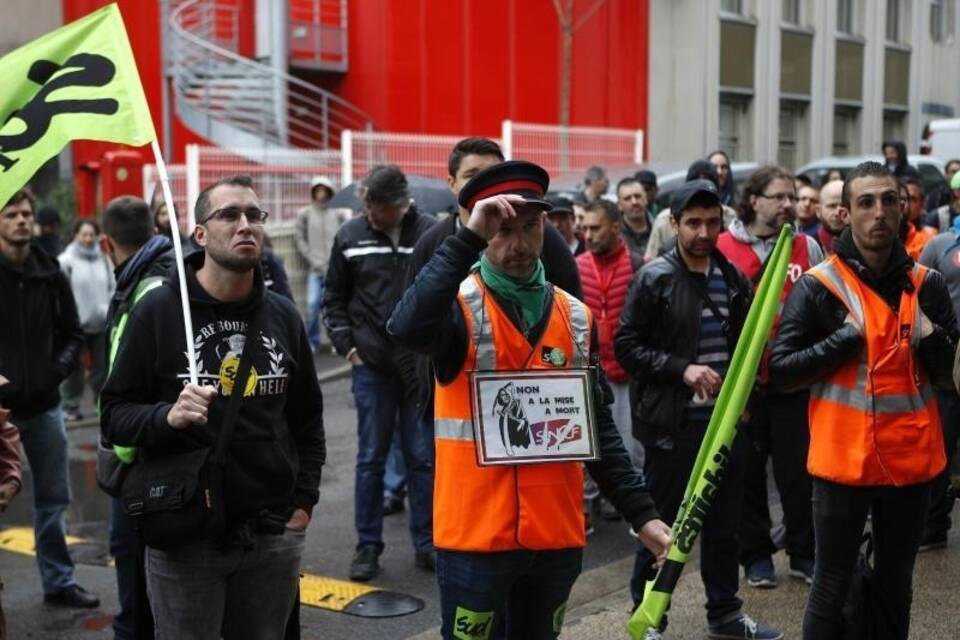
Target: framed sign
pixel 524 417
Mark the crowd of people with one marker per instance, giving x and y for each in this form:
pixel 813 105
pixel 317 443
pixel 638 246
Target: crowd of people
pixel 855 405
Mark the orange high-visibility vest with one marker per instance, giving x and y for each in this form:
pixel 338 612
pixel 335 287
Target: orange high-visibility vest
pixel 875 421
pixel 505 507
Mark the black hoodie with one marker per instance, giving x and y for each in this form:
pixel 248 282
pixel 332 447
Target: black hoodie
pixel 278 446
pixel 40 335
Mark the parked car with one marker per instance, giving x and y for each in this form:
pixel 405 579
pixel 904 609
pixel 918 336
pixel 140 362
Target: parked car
pixel 930 168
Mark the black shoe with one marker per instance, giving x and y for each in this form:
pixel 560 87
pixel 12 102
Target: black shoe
pixel 73 596
pixel 608 511
pixel 426 560
pixel 364 565
pixel 392 505
pixel 933 541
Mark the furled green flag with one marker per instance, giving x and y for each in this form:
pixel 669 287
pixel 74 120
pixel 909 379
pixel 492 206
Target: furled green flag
pixel 79 82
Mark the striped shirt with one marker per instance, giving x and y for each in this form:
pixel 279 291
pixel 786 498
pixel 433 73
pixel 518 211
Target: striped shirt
pixel 712 349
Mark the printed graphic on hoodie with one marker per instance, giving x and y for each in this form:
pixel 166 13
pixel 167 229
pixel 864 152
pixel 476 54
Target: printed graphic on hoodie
pixel 218 346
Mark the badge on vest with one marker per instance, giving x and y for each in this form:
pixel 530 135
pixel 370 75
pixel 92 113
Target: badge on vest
pixel 553 356
pixel 525 417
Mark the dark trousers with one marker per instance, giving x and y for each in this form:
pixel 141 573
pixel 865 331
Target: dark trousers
pixel 134 620
pixel 779 429
pixel 667 472
pixel 839 515
pixel 520 595
pixel 941 501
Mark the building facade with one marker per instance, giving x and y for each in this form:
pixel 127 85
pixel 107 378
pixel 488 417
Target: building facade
pixel 789 81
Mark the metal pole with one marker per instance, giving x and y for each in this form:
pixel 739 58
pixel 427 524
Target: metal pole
pixel 279 49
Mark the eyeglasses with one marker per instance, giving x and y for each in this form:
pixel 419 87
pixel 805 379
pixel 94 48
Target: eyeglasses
pixel 232 215
pixel 780 197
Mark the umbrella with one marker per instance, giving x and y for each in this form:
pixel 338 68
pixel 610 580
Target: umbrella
pixel 430 195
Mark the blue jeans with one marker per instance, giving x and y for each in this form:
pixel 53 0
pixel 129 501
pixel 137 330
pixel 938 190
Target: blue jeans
pixel 315 286
pixel 382 408
pixel 508 594
pixel 395 476
pixel 45 443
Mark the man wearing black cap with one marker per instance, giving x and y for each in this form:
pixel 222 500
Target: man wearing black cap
pixel 509 536
pixel 681 321
pixel 48 221
pixel 648 179
pixel 562 218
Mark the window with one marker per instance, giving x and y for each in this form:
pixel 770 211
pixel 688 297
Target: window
pixel 732 124
pixel 731 6
pixel 792 12
pixel 845 16
pixel 845 131
pixel 791 143
pixel 943 16
pixel 894 20
pixel 894 124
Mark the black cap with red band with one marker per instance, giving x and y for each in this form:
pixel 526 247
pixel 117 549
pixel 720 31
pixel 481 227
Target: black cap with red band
pixel 517 177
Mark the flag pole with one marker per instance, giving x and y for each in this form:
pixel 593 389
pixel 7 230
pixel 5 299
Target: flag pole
pixel 178 251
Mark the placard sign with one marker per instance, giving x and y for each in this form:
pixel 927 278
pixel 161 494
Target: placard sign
pixel 524 417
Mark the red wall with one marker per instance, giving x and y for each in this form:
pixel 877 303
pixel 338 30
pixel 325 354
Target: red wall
pixel 461 66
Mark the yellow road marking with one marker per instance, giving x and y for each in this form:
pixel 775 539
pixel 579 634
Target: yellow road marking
pixel 330 593
pixel 20 540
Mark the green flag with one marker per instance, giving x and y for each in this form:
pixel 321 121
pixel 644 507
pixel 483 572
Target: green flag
pixel 79 82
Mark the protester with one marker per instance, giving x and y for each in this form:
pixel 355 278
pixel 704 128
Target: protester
pixel 467 158
pixel 683 315
pixel 943 254
pixel 244 583
pixel 143 260
pixel 728 189
pixel 895 156
pixel 91 280
pixel 595 185
pixel 637 221
pixel 777 426
pixel 316 227
pixel 913 236
pixel 40 311
pixel 561 217
pixel 274 273
pixel 831 221
pixel 808 210
pixel 944 216
pixel 48 222
pixel 11 480
pixel 662 237
pixel 648 179
pixel 364 283
pixel 942 195
pixel 875 441
pixel 606 271
pixel 509 537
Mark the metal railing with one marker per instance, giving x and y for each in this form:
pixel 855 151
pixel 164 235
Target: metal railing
pixel 232 100
pixel 318 34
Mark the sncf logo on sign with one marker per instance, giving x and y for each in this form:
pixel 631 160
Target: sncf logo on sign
pixel 472 625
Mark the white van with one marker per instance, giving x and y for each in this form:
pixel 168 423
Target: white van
pixel 945 138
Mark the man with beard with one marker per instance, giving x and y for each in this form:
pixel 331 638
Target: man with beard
pixel 831 220
pixel 808 210
pixel 637 221
pixel 870 334
pixel 41 340
pixel 777 424
pixel 242 584
pixel 682 318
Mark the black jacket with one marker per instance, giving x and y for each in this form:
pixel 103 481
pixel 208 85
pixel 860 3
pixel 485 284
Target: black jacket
pixel 659 334
pixel 559 267
pixel 278 446
pixel 154 259
pixel 813 340
pixel 429 320
pixel 364 282
pixel 40 335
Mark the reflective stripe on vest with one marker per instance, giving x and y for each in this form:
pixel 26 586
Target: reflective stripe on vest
pixel 874 421
pixel 505 507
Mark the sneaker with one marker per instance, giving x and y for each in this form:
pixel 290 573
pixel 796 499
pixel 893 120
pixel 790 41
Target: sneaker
pixel 588 524
pixel 72 415
pixel 802 569
pixel 653 634
pixel 743 627
pixel 392 505
pixel 73 596
pixel 608 511
pixel 933 541
pixel 761 575
pixel 426 560
pixel 365 565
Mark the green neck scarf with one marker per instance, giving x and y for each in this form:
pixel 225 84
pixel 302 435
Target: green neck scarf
pixel 527 293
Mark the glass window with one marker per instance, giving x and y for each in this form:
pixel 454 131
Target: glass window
pixel 845 131
pixel 894 124
pixel 894 20
pixel 845 16
pixel 790 142
pixel 792 12
pixel 731 6
pixel 937 20
pixel 732 125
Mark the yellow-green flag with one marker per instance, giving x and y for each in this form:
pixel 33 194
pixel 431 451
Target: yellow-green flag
pixel 79 82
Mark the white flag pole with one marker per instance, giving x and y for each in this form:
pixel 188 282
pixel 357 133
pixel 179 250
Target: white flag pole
pixel 178 251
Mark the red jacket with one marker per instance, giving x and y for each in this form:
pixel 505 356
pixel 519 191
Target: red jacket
pixel 606 280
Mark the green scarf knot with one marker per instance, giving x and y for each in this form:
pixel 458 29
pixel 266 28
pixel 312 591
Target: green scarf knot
pixel 526 293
